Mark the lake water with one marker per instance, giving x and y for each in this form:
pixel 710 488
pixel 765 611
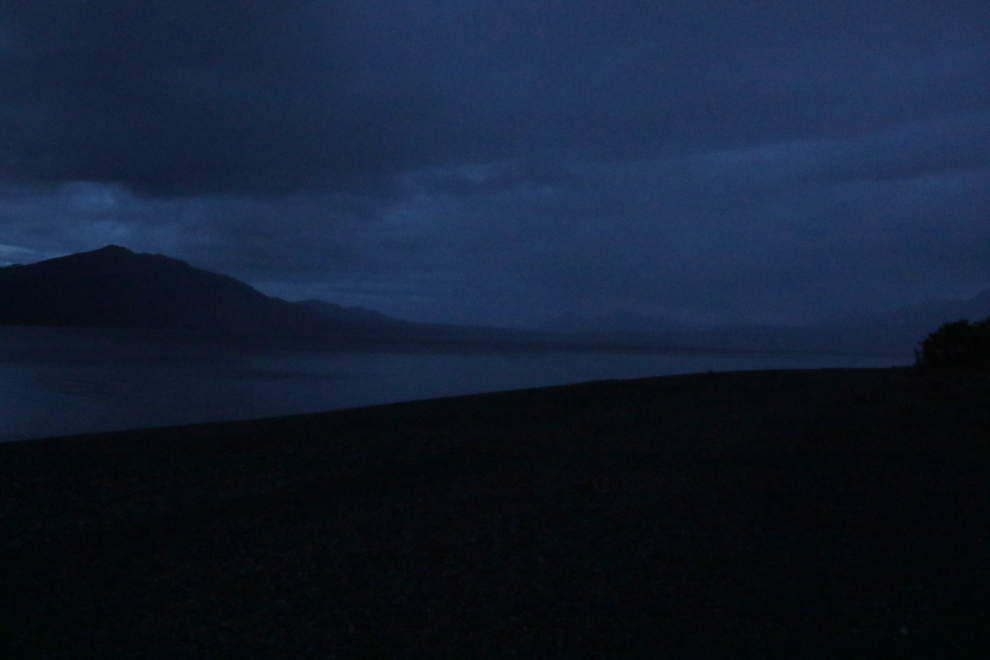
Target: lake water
pixel 66 381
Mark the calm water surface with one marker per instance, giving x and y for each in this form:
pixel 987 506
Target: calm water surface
pixel 65 381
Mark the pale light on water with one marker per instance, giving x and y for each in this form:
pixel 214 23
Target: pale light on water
pixel 67 381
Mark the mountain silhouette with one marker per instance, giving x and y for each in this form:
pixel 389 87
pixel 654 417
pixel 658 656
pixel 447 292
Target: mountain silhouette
pixel 332 311
pixel 114 287
pixel 896 331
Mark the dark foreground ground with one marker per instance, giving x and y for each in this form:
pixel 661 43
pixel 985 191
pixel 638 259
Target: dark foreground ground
pixel 784 514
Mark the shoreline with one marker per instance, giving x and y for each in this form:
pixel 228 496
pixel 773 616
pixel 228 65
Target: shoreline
pixel 800 513
pixel 58 388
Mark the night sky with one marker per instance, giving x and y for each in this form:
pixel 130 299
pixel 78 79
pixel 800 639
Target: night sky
pixel 508 161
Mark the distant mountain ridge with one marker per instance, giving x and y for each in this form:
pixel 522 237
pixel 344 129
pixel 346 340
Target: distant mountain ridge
pixel 113 287
pixel 896 331
pixel 117 288
pixel 331 310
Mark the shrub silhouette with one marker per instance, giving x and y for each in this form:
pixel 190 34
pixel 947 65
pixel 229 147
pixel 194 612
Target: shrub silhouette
pixel 957 346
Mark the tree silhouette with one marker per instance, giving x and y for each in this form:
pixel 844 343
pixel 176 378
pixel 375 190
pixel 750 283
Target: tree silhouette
pixel 957 346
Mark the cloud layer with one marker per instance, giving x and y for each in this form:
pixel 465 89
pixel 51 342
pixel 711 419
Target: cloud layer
pixel 509 162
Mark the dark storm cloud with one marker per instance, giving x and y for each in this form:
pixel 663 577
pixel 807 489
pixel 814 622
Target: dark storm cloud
pixel 765 232
pixel 505 162
pixel 169 96
pixel 752 233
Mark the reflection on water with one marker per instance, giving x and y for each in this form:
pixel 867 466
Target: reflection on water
pixel 65 381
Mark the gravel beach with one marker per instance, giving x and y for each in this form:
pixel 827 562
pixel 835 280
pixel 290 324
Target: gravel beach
pixel 769 514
